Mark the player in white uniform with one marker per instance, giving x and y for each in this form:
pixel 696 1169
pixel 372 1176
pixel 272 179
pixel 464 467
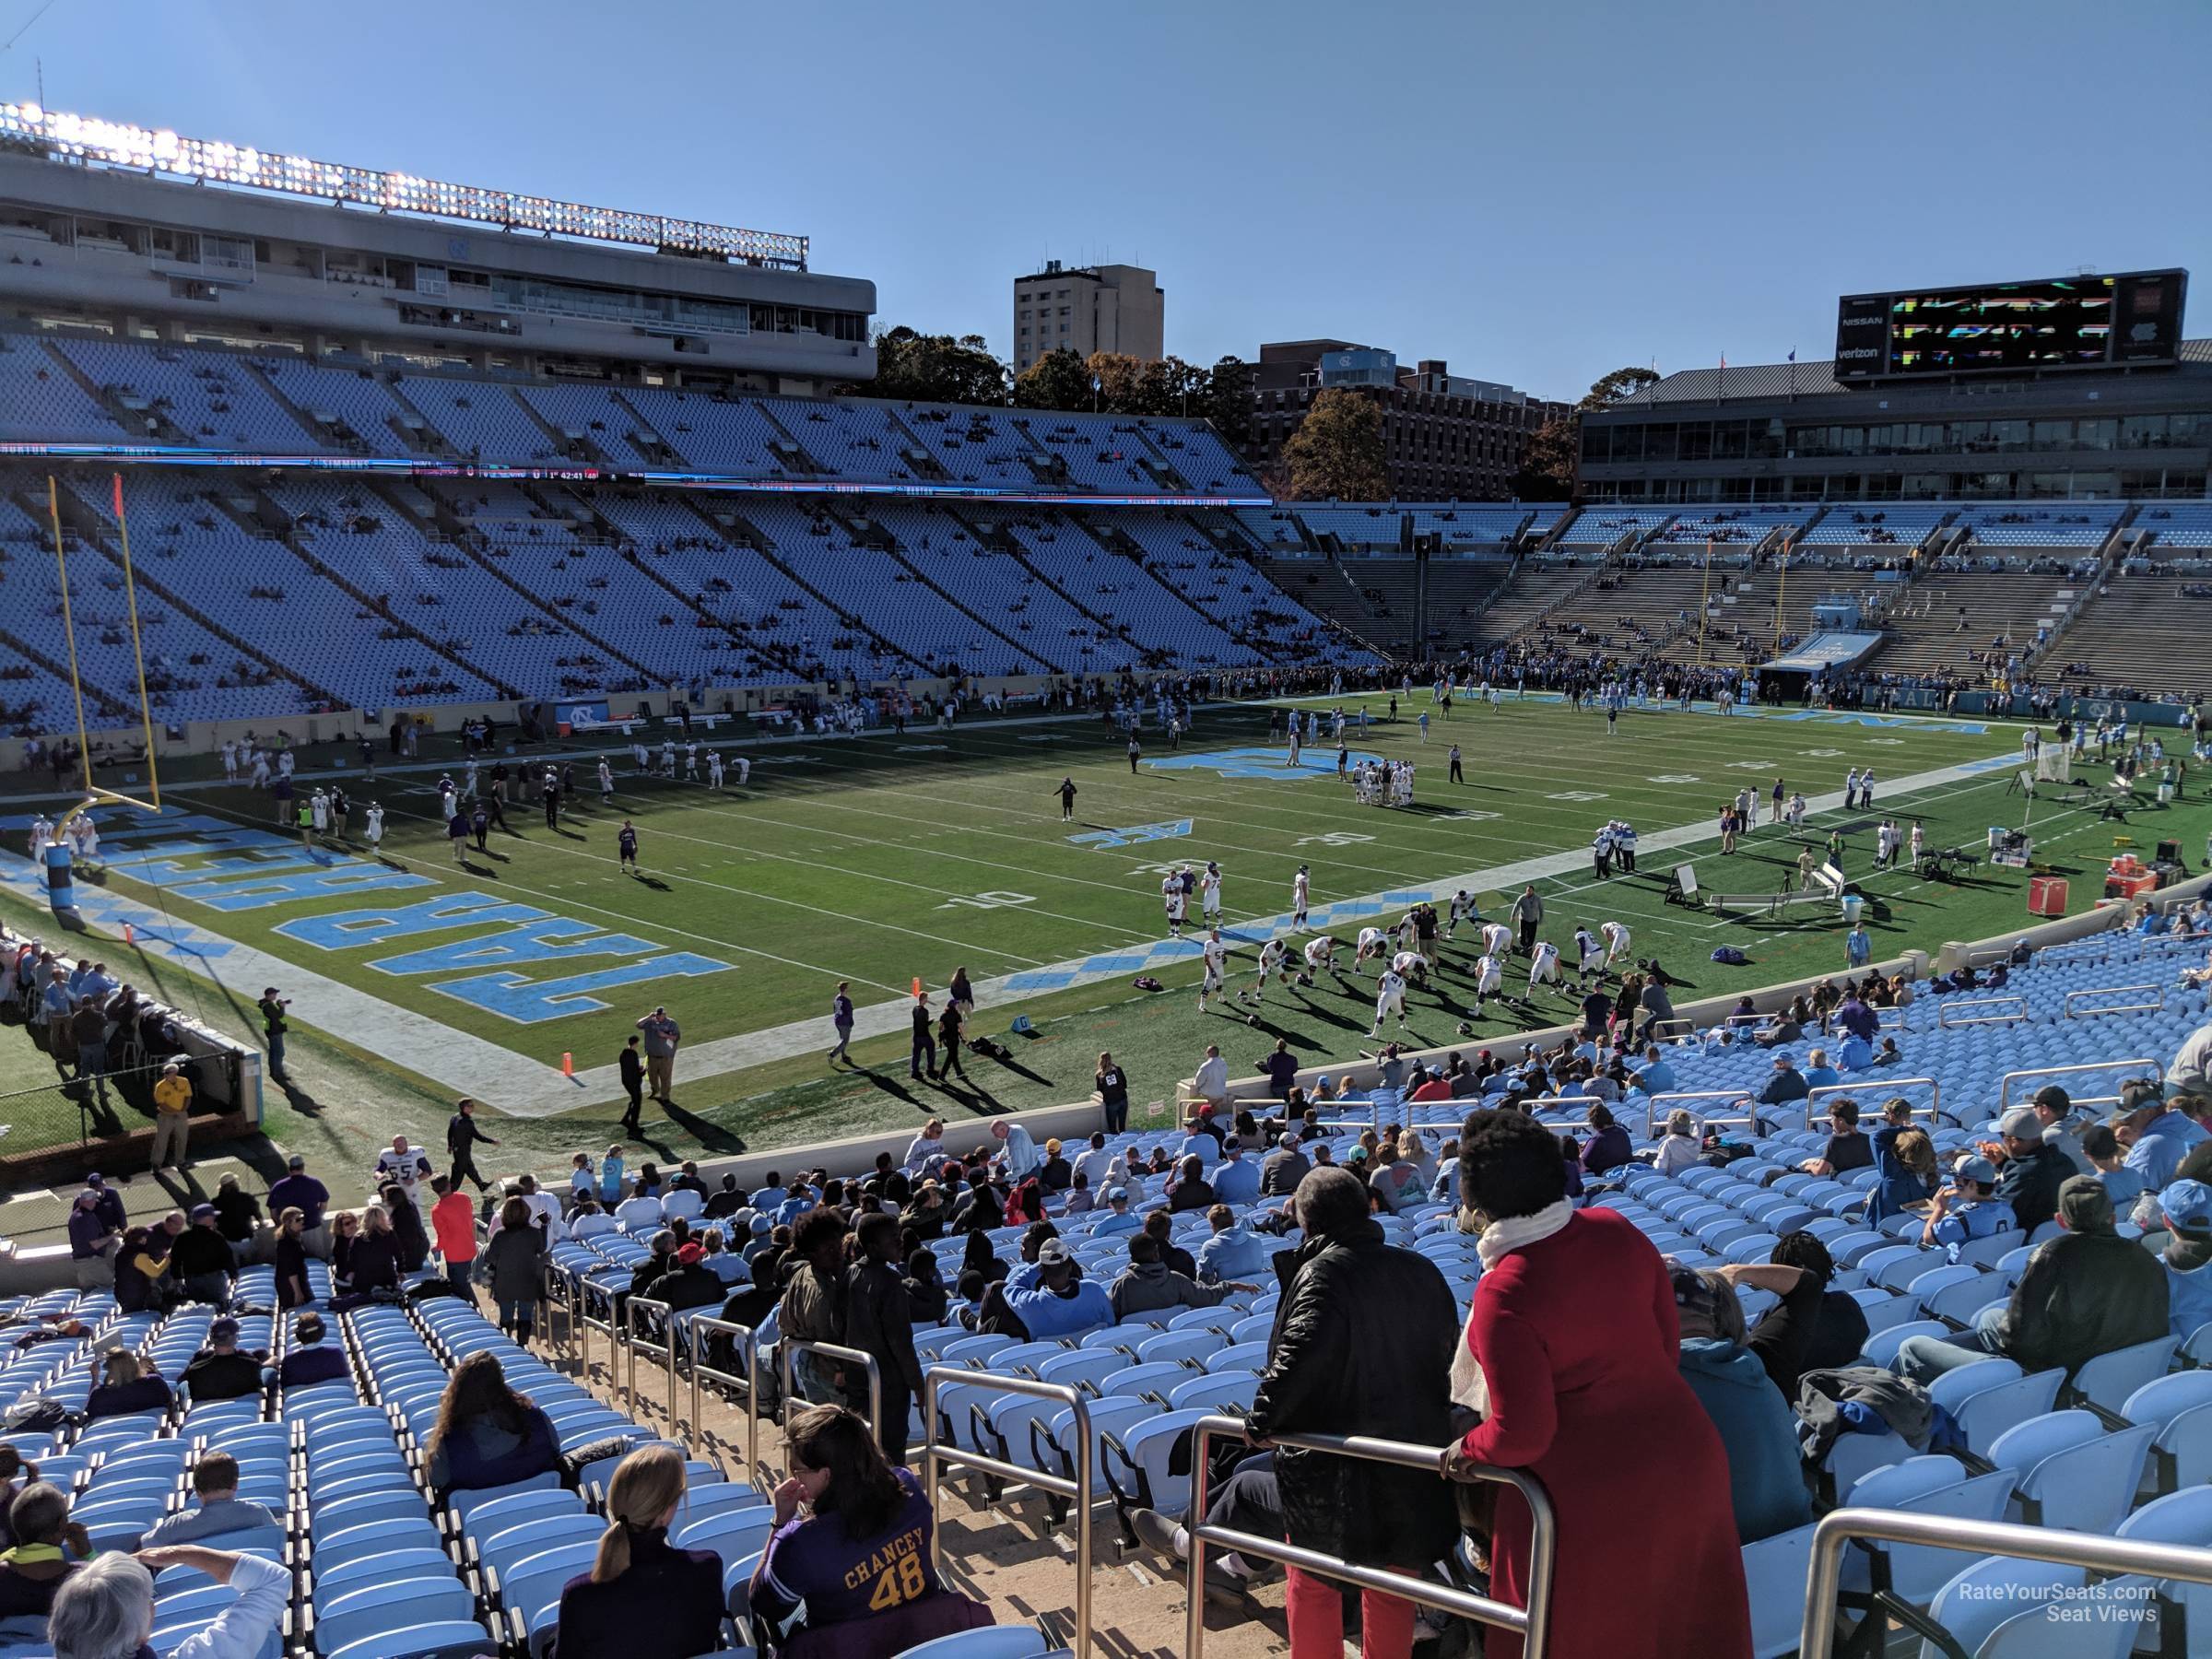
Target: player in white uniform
pixel 446 798
pixel 1274 963
pixel 1489 980
pixel 714 768
pixel 1461 910
pixel 1301 891
pixel 405 1167
pixel 1320 956
pixel 1497 940
pixel 1171 899
pixel 1297 742
pixel 606 784
pixel 745 770
pixel 1592 954
pixel 1373 941
pixel 669 757
pixel 319 807
pixel 1796 815
pixel 230 762
pixel 376 831
pixel 1544 967
pixel 1215 953
pixel 1916 841
pixel 86 835
pixel 1408 932
pixel 1209 891
pixel 1409 966
pixel 1616 940
pixel 1390 998
pixel 691 761
pixel 638 756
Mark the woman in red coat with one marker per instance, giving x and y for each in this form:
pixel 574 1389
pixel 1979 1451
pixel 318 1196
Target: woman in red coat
pixel 1573 1361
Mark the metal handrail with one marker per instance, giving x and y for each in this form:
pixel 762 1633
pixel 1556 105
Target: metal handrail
pixel 2119 1556
pixel 1533 1621
pixel 632 1342
pixel 1944 1011
pixel 741 1337
pixel 1077 1491
pixel 1888 1086
pixel 1653 1102
pixel 2156 993
pixel 790 1347
pixel 582 1287
pixel 2158 1070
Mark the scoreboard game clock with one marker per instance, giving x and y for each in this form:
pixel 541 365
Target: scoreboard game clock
pixel 2012 328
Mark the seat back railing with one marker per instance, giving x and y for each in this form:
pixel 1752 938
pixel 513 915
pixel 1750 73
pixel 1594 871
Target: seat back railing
pixel 702 1328
pixel 637 1332
pixel 1885 1087
pixel 936 1453
pixel 1981 1011
pixel 1838 1527
pixel 1656 1107
pixel 1533 1621
pixel 2088 1004
pixel 2009 1084
pixel 788 1351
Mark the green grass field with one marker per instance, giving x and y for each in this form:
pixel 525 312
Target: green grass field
pixel 884 858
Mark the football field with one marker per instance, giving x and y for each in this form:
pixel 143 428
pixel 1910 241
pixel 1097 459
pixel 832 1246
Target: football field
pixel 891 857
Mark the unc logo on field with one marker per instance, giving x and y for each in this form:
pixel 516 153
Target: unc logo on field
pixel 1314 762
pixel 1099 839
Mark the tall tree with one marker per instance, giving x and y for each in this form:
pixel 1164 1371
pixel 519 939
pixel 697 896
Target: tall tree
pixel 1170 387
pixel 1548 468
pixel 1118 377
pixel 1228 400
pixel 1337 452
pixel 935 369
pixel 1622 383
pixel 1055 381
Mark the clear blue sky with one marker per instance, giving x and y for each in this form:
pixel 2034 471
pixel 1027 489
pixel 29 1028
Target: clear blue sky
pixel 1537 192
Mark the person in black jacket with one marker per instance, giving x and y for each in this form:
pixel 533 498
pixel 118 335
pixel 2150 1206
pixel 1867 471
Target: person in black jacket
pixel 461 1136
pixel 2086 1292
pixel 692 1284
pixel 1178 1260
pixel 200 1259
pixel 220 1371
pixel 879 1321
pixel 407 1230
pixel 631 1064
pixel 1362 1343
pixel 926 1295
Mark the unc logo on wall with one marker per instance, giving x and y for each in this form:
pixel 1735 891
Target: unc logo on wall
pixel 1317 761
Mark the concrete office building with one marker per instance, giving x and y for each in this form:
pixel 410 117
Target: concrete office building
pixel 1114 308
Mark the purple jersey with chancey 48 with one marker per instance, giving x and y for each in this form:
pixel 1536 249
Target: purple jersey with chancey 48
pixel 812 1561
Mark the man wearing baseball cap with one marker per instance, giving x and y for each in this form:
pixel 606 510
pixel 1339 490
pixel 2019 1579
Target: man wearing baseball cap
pixel 2186 1207
pixel 220 1371
pixel 2157 1137
pixel 1966 1211
pixel 2086 1292
pixel 2029 1172
pixel 2054 1106
pixel 1117 1219
pixel 1283 1169
pixel 1050 1297
pixel 691 1283
pixel 200 1259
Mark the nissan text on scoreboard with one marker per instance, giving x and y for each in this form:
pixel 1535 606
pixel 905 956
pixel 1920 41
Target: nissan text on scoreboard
pixel 2012 328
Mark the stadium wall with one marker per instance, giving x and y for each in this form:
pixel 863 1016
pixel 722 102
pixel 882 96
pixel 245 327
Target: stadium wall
pixel 343 725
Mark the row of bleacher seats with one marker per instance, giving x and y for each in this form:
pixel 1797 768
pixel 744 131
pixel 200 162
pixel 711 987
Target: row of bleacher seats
pixel 86 389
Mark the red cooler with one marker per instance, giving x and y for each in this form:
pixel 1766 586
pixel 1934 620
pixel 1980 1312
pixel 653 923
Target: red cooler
pixel 2046 896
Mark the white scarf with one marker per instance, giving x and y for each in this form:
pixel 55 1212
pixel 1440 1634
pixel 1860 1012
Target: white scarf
pixel 1497 1241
